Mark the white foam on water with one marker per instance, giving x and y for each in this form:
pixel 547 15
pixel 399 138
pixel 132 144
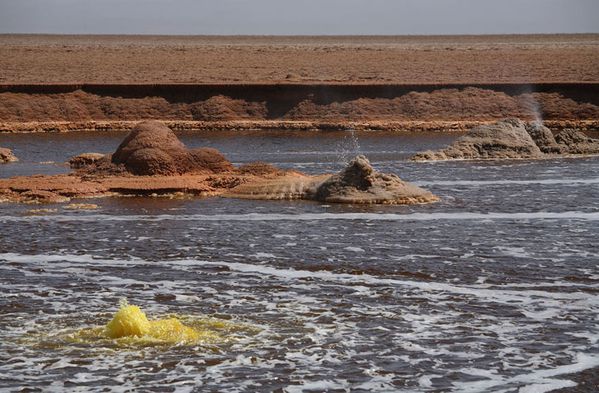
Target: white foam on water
pixel 547 386
pixel 300 299
pixel 456 216
pixel 477 183
pixel 538 381
pixel 265 255
pixel 319 386
pixel 354 249
pixel 488 291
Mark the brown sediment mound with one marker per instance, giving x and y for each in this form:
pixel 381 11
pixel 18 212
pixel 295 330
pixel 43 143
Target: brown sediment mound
pixel 360 183
pixel 83 106
pixel 152 148
pixel 468 104
pixel 6 155
pixel 504 139
pixel 85 159
pixel 449 104
pixel 42 196
pixel 258 168
pixel 61 188
pixel 576 142
pixel 513 139
pixel 544 138
pixel 225 108
pixel 289 186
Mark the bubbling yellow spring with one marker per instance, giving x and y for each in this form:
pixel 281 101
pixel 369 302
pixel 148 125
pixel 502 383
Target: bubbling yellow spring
pixel 131 322
pixel 131 328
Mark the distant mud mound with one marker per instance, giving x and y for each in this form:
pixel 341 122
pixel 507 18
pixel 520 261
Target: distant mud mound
pixel 259 168
pixel 576 142
pixel 85 159
pixel 6 156
pixel 443 104
pixel 504 139
pixel 360 183
pixel 543 138
pixel 224 108
pixel 152 148
pixel 448 104
pixel 513 139
pixel 83 106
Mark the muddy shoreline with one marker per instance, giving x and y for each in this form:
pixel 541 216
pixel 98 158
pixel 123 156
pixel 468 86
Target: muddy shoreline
pixel 251 125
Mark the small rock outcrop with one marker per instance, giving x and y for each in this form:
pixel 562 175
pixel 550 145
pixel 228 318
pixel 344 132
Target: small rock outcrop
pixel 6 156
pixel 504 139
pixel 360 183
pixel 85 159
pixel 43 196
pixel 152 148
pixel 575 142
pixel 513 139
pixel 543 138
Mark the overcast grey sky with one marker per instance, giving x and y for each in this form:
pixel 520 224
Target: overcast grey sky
pixel 298 16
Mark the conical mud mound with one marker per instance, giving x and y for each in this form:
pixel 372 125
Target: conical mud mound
pixel 152 148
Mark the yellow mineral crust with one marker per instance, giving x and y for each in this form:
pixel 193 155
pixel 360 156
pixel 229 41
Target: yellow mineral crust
pixel 131 322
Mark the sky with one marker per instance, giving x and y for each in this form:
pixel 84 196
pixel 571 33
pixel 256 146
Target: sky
pixel 299 17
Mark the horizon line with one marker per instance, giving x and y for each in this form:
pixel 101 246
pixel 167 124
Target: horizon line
pixel 303 35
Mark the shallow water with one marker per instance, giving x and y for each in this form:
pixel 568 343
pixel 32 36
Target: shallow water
pixel 495 288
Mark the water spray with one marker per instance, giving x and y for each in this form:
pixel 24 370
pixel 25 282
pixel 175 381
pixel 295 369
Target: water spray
pixel 349 147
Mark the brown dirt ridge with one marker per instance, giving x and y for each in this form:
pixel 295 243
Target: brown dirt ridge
pixel 23 112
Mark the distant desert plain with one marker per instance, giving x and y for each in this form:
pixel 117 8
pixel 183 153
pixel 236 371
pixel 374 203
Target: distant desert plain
pixel 60 83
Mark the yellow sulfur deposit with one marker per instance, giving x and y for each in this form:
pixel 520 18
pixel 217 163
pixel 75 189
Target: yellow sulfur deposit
pixel 130 321
pixel 172 330
pixel 131 328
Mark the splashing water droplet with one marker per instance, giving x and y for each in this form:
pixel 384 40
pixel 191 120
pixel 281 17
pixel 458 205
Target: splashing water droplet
pixel 348 147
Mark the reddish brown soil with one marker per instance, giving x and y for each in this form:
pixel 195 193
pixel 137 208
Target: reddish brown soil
pixel 450 104
pixel 93 182
pixel 445 105
pixel 81 106
pixel 59 188
pixel 399 59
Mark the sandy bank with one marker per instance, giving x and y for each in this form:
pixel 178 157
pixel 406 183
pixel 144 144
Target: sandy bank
pixel 244 125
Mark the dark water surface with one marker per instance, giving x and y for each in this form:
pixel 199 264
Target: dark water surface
pixel 495 288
